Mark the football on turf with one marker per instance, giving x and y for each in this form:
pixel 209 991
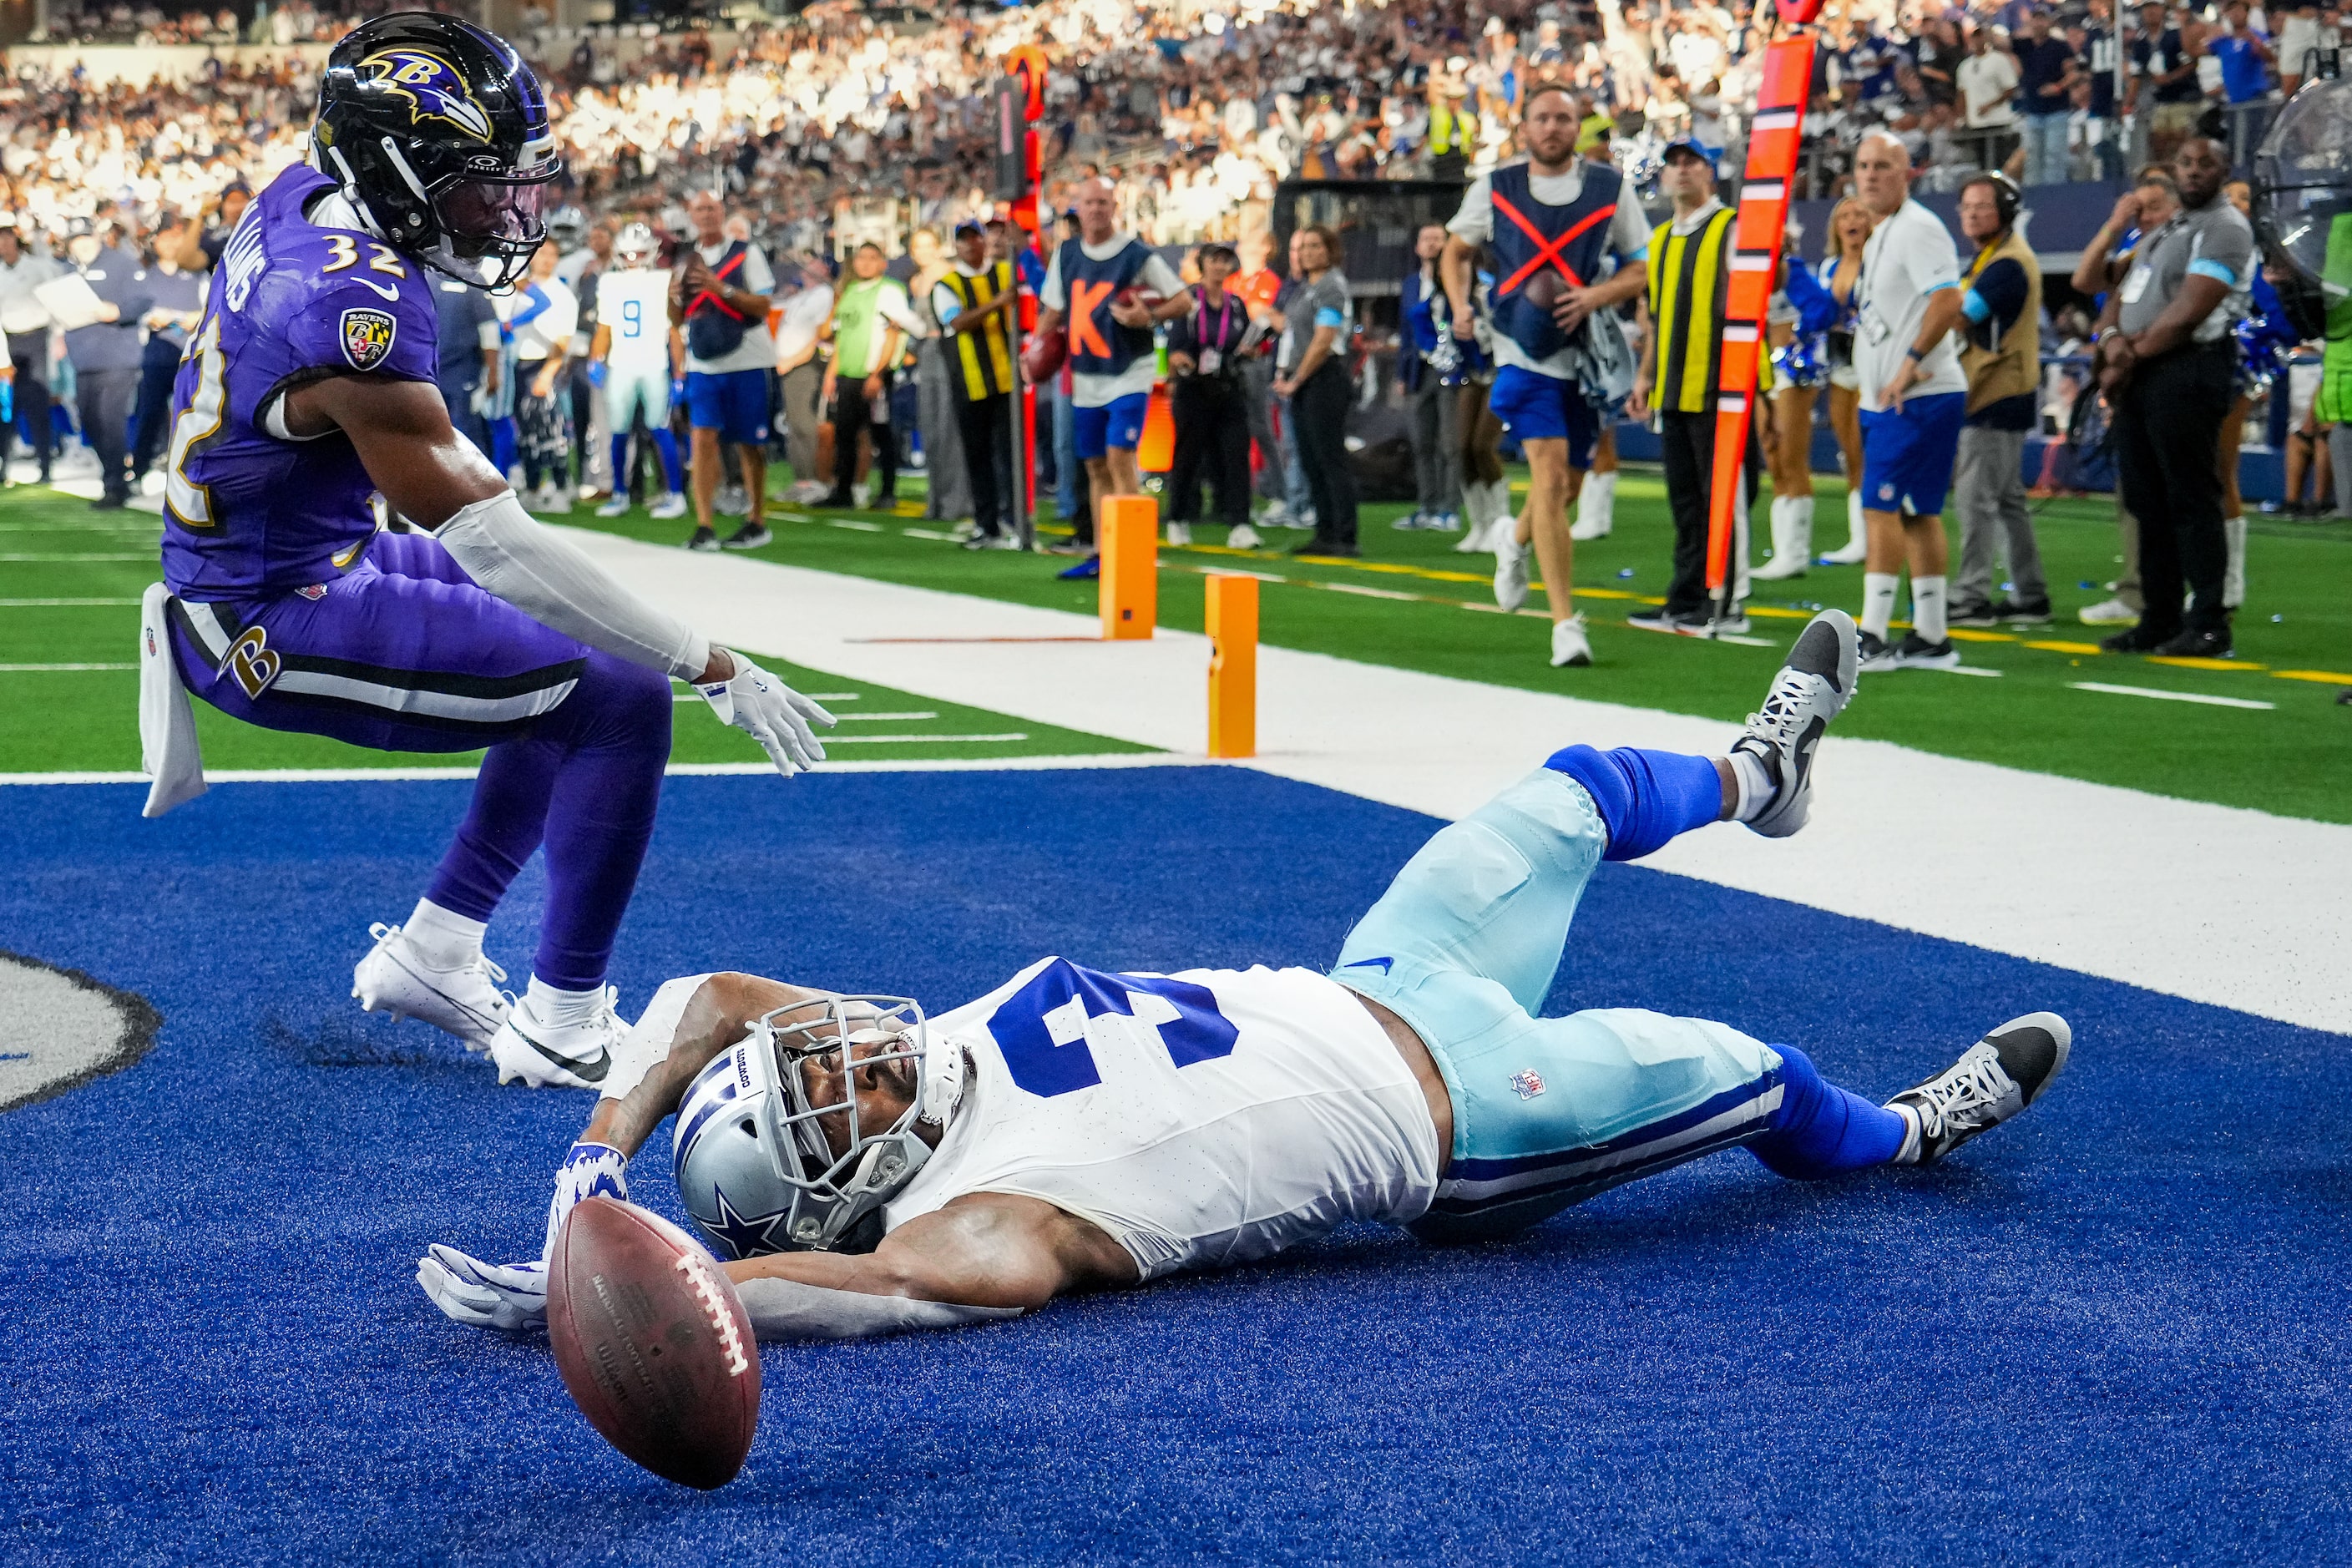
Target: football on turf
pixel 1041 356
pixel 654 1343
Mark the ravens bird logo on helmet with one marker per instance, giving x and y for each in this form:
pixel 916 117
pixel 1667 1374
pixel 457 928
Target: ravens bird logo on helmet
pixel 433 87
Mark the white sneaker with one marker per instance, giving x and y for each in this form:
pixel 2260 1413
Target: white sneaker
pixel 616 507
pixel 395 978
pixel 1417 518
pixel 1856 535
pixel 861 494
pixel 671 505
pixel 731 501
pixel 1243 537
pixel 1510 567
pixel 558 502
pixel 1569 645
pixel 1813 687
pixel 543 1055
pixel 967 528
pixel 1447 522
pixel 1275 515
pixel 1180 533
pixel 2110 613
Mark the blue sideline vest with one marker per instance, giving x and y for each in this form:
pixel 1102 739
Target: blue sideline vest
pixel 1098 345
pixel 1533 236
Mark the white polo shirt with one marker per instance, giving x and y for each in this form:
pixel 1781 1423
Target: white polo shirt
pixel 1910 256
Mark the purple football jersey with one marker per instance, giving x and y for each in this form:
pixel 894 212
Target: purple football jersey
pixel 248 515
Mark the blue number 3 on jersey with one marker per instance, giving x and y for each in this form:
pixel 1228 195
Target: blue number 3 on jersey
pixel 1042 1027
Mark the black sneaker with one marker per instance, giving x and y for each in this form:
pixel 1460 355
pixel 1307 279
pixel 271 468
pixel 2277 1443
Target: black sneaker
pixel 1657 619
pixel 2205 642
pixel 1813 687
pixel 750 536
pixel 1915 652
pixel 836 502
pixel 110 502
pixel 1326 547
pixel 2032 613
pixel 1975 615
pixel 1994 1080
pixel 2141 638
pixel 704 539
pixel 1874 652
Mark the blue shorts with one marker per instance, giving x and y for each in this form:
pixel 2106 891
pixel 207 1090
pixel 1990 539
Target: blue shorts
pixel 1465 946
pixel 1542 408
pixel 1907 457
pixel 734 403
pixel 1119 423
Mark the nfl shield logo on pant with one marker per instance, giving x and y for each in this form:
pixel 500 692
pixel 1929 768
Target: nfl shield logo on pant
pixel 1528 1082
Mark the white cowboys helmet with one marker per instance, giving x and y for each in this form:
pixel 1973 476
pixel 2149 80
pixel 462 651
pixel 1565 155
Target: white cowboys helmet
pixel 755 1151
pixel 636 246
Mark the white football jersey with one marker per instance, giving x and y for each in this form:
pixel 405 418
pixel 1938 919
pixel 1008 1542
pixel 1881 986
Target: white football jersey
pixel 635 302
pixel 1202 1119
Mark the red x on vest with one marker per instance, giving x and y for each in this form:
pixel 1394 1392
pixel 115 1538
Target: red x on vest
pixel 1545 249
pixel 727 269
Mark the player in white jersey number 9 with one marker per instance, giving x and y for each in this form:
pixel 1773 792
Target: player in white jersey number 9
pixel 867 1169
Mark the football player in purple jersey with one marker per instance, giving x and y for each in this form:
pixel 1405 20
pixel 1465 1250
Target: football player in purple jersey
pixel 307 385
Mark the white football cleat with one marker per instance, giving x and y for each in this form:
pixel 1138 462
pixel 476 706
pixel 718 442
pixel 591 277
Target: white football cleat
pixel 1241 537
pixel 671 505
pixel 1569 645
pixel 1180 533
pixel 558 1056
pixel 1813 687
pixel 1510 565
pixel 465 1002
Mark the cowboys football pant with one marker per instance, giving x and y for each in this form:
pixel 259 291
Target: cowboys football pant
pixel 1465 946
pixel 402 653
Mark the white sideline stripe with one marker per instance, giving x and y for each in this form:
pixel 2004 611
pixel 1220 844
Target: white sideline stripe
pixel 1899 837
pixel 2171 696
pixel 832 740
pixel 676 770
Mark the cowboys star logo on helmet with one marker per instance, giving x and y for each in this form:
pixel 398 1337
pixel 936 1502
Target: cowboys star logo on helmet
pixel 432 87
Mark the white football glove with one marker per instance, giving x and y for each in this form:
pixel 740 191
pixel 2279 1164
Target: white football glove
pixel 484 1295
pixel 513 1296
pixel 772 713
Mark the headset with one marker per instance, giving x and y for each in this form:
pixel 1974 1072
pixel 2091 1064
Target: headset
pixel 2006 197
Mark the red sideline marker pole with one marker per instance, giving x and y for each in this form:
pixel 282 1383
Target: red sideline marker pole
pixel 1762 222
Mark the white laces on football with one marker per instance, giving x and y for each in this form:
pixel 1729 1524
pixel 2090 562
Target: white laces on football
pixel 1974 1083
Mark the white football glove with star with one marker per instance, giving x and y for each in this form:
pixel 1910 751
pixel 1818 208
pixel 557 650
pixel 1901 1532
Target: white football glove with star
pixel 770 712
pixel 513 1296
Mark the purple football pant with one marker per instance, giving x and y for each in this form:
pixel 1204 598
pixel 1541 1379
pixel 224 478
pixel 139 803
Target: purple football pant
pixel 402 653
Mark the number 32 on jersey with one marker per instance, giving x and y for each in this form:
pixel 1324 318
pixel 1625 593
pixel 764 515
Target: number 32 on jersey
pixel 1042 1028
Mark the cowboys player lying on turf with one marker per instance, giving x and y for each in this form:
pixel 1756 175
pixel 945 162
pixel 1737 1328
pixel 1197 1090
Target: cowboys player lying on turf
pixel 870 1170
pixel 310 385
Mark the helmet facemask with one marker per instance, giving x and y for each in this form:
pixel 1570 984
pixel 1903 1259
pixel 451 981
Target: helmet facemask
pixel 820 1142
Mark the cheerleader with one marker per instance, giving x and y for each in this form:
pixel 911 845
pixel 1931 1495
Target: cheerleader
pixel 1841 275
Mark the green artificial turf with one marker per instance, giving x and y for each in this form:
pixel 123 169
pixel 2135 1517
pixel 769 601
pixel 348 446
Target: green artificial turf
pixel 1411 602
pixel 2292 757
pixel 53 548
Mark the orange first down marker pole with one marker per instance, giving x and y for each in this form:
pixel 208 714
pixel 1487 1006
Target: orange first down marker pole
pixel 1231 626
pixel 1130 567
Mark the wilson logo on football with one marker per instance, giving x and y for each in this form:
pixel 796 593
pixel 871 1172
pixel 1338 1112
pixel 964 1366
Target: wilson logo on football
pixel 722 1321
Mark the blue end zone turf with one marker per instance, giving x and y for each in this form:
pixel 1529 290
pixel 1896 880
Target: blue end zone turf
pixel 2114 1331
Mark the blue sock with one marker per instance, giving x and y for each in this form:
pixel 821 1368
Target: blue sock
pixel 1645 797
pixel 666 444
pixel 620 465
pixel 1821 1130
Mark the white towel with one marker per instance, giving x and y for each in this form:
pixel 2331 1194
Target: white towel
pixel 168 751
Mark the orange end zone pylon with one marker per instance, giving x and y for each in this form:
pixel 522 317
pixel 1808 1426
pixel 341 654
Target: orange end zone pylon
pixel 1772 144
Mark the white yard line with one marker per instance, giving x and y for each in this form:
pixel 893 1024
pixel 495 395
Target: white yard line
pixel 2216 903
pixel 676 770
pixel 2171 696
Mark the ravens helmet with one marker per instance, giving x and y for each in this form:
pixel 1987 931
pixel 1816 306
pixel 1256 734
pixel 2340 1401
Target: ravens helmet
pixel 437 132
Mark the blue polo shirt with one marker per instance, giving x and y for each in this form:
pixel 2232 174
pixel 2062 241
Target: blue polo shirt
pixel 2243 75
pixel 2040 66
